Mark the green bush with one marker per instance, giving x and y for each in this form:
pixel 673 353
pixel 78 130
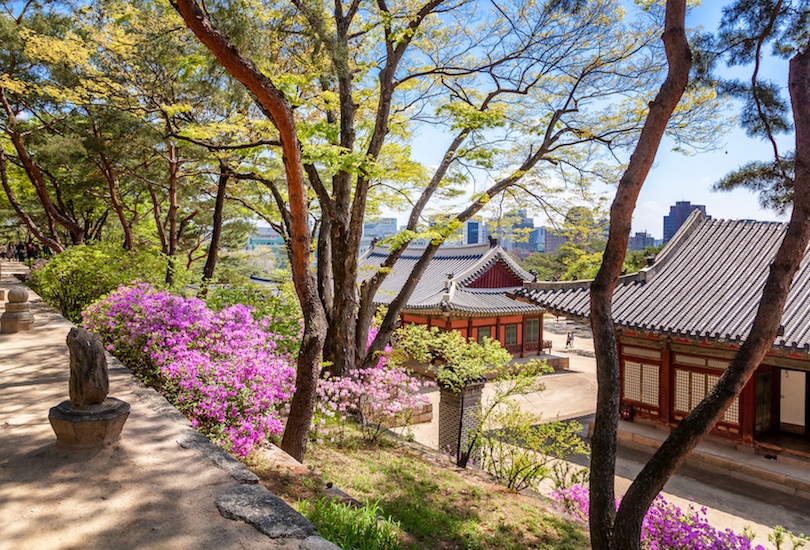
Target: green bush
pixel 84 273
pixel 352 528
pixel 279 305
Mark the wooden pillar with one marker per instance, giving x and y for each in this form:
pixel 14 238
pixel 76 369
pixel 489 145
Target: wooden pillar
pixel 469 328
pixel 522 334
pixel 748 410
pixel 428 321
pixel 498 330
pixel 540 336
pixel 666 377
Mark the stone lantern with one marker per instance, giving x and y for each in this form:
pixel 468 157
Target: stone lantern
pixel 18 316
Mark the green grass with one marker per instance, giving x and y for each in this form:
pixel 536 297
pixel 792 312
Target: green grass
pixel 435 505
pixel 352 528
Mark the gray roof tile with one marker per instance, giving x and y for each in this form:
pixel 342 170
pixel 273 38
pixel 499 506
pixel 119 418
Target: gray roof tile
pixel 706 283
pixel 465 263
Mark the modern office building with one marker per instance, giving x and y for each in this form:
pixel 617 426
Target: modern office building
pixel 553 241
pixel 677 215
pixel 264 237
pixel 475 231
pixel 378 229
pixel 640 241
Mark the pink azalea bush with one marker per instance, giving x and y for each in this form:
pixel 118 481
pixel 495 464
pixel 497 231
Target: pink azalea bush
pixel 221 369
pixel 666 526
pixel 384 395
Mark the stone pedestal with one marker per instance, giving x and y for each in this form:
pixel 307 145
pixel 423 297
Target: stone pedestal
pixel 17 316
pixel 458 417
pixel 94 426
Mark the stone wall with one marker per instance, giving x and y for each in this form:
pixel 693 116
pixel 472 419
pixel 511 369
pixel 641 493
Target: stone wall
pixel 451 416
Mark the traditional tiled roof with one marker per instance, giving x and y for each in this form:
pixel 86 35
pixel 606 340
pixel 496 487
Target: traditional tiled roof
pixel 705 284
pixel 436 292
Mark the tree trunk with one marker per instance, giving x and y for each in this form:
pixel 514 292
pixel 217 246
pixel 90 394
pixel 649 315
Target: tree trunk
pixel 603 442
pixel 55 245
pixel 171 215
pixel 36 178
pixel 216 233
pixel 277 108
pixel 158 216
pixel 788 257
pixel 342 350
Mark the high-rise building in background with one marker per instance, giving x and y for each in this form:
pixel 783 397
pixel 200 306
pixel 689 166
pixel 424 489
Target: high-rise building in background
pixel 553 241
pixel 264 237
pixel 378 229
pixel 513 231
pixel 537 240
pixel 475 231
pixel 640 241
pixel 678 215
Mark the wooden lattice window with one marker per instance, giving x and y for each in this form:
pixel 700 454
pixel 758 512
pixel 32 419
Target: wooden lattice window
pixel 510 335
pixel 532 331
pixel 640 382
pixel 692 387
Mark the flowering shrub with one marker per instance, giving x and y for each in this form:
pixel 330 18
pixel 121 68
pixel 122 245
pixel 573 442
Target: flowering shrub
pixel 220 369
pixel 665 527
pixel 82 274
pixel 384 395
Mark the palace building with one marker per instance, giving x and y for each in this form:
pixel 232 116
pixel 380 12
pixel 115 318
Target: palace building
pixel 680 321
pixel 465 288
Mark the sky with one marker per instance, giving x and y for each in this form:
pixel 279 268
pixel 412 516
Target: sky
pixel 679 177
pixel 676 177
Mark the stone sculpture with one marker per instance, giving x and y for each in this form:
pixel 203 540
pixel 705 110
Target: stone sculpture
pixel 89 418
pixel 89 381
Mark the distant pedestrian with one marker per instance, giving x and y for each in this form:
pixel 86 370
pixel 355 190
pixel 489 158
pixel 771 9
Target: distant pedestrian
pixel 572 340
pixel 568 340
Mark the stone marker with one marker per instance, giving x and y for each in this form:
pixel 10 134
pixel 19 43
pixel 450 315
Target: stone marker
pixel 89 418
pixel 89 382
pixel 17 316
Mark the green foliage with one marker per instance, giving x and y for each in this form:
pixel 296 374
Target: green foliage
pixel 521 453
pixel 548 267
pixel 516 446
pixel 771 180
pixel 585 266
pixel 459 361
pixel 84 273
pixel 278 305
pixel 637 259
pixel 779 536
pixel 352 528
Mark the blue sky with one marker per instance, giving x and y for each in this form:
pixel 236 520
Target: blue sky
pixel 678 177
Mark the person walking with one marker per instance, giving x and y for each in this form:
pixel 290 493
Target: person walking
pixel 572 340
pixel 567 340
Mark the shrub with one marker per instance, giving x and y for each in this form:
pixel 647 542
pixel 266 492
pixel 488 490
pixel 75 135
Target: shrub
pixel 220 369
pixel 82 274
pixel 666 526
pixel 384 395
pixel 521 452
pixel 352 528
pixel 278 307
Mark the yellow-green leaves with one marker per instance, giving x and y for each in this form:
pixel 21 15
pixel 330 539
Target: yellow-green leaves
pixel 469 117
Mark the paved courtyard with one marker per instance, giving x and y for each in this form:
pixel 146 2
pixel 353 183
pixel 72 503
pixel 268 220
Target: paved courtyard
pixel 732 502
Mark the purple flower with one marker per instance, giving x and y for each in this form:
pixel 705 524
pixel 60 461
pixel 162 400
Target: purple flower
pixel 220 369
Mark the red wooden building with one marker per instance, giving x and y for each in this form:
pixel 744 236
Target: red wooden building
pixel 465 289
pixel 680 321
